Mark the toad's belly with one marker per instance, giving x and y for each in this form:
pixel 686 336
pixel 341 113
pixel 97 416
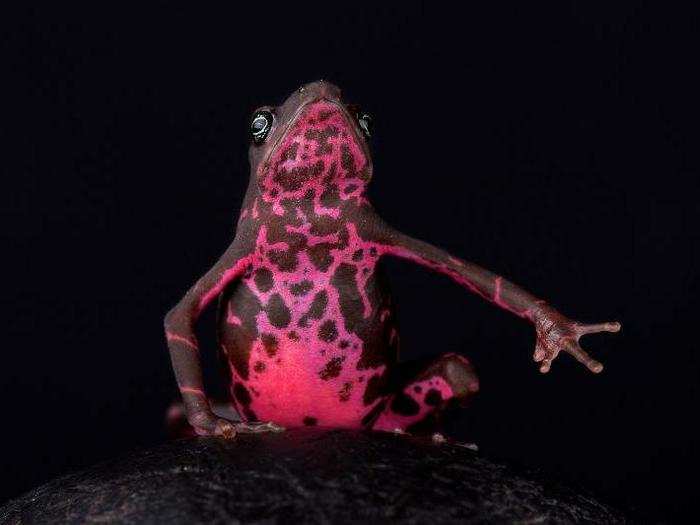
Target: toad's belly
pixel 306 352
pixel 305 384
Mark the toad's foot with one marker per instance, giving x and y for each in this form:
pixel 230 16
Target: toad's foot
pixel 556 333
pixel 257 427
pixel 470 446
pixel 440 439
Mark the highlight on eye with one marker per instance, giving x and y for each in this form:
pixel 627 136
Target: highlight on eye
pixel 260 126
pixel 364 119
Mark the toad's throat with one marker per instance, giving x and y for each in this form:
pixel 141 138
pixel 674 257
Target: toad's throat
pixel 319 157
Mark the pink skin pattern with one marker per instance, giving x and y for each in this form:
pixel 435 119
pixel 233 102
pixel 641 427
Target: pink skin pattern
pixel 307 326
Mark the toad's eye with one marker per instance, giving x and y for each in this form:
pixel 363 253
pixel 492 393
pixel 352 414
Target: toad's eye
pixel 365 121
pixel 260 126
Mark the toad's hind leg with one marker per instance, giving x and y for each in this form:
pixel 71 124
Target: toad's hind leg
pixel 420 398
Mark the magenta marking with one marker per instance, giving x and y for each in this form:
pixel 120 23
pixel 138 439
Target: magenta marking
pixel 456 261
pixel 497 293
pixel 229 275
pixel 232 318
pixel 174 337
pixel 191 390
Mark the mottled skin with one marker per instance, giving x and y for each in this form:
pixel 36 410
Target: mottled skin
pixel 306 322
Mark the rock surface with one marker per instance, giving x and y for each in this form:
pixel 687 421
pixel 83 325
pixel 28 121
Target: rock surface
pixel 304 475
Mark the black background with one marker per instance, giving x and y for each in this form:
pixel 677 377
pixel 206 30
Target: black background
pixel 553 144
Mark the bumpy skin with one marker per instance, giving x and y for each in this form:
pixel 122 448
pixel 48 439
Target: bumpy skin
pixel 307 324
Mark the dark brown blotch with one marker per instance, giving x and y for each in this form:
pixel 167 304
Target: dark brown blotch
pixel 374 389
pixel 270 344
pixel 351 305
pixel 330 196
pixel 264 279
pixel 323 147
pixel 240 392
pixel 285 260
pixel 327 331
pixel 345 391
pixel 291 152
pixel 242 338
pixel 373 414
pixel 317 308
pixel 346 159
pixel 301 288
pixel 293 180
pixel 324 115
pixel 324 225
pixel 320 256
pixel 404 405
pixel 433 397
pixel 332 368
pixel 277 312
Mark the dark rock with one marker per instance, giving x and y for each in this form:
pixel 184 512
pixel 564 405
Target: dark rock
pixel 305 475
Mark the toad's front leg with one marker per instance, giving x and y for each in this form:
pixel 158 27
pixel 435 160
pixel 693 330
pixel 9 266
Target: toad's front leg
pixel 184 349
pixel 555 332
pixel 183 346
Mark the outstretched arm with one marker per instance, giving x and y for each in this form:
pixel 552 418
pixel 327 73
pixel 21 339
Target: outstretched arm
pixel 182 343
pixel 554 331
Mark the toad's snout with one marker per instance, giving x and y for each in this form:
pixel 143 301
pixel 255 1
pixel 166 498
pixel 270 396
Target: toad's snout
pixel 321 89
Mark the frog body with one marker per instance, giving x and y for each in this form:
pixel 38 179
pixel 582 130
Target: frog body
pixel 307 326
